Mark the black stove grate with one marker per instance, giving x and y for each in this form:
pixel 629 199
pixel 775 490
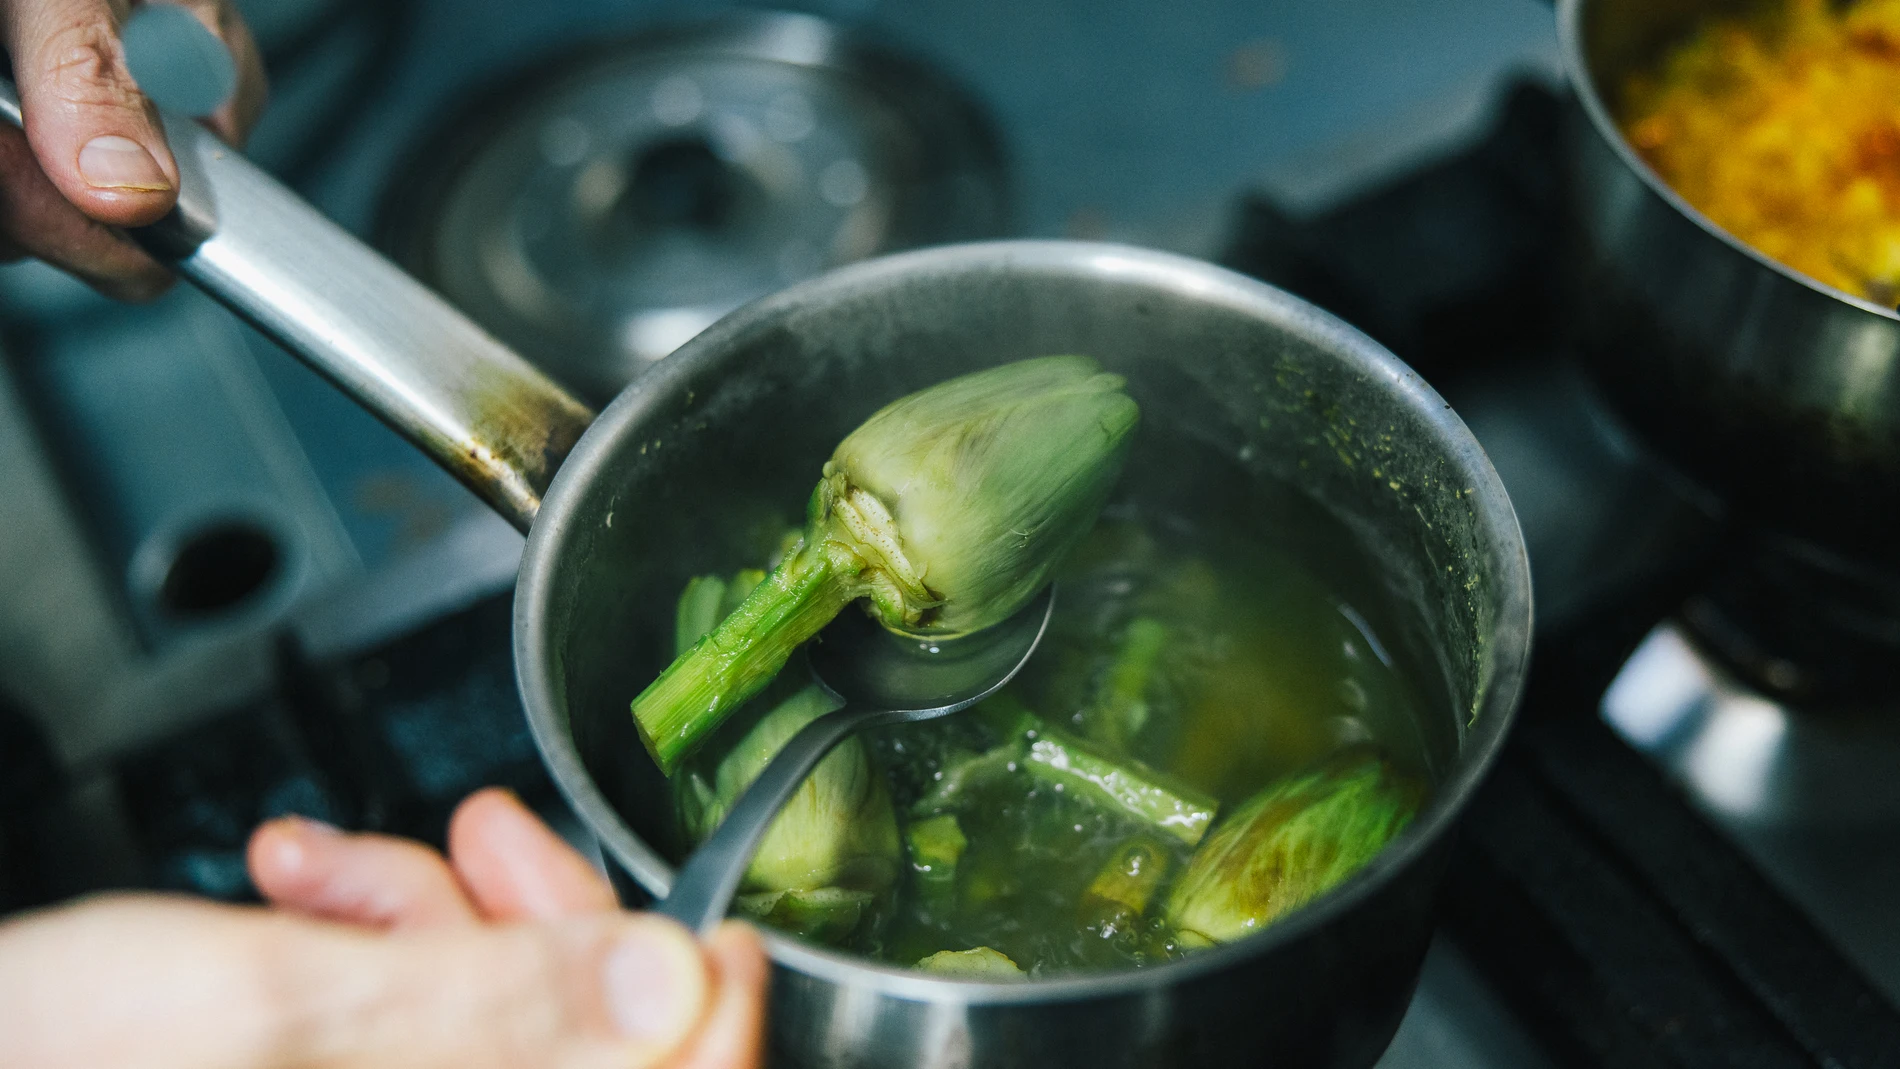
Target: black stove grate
pixel 387 741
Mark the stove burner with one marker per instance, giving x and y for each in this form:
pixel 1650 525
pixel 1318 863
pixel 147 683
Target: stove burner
pixel 602 211
pixel 1805 625
pixel 217 569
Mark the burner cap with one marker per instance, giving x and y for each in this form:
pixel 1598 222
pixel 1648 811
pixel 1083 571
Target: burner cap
pixel 601 211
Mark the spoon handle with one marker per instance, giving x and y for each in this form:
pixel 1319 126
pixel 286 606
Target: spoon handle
pixel 703 889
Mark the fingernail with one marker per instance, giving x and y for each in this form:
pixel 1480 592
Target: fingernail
pixel 313 826
pixel 655 984
pixel 287 852
pixel 113 162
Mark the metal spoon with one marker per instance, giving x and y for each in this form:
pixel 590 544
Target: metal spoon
pixel 882 679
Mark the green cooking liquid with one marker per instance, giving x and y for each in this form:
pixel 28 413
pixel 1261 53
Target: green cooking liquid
pixel 1217 661
pixel 1262 673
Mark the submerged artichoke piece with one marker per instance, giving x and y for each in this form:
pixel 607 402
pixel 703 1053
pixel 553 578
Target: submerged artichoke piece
pixel 980 963
pixel 1118 895
pixel 947 510
pixel 827 915
pixel 1122 784
pixel 1287 845
pixel 1135 789
pixel 697 611
pixel 838 829
pixel 968 772
pixel 1120 708
pixel 707 600
pixel 936 845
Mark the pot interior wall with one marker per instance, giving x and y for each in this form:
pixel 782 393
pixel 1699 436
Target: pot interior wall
pixel 1621 36
pixel 1256 412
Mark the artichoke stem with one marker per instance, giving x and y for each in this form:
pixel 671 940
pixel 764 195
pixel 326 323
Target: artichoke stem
pixel 1122 785
pixel 743 654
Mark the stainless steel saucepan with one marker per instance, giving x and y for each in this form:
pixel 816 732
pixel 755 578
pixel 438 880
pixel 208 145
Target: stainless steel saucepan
pixel 1781 392
pixel 1259 413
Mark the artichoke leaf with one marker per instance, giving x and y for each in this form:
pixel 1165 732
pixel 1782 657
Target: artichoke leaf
pixel 977 963
pixel 1289 844
pixel 839 828
pixel 826 915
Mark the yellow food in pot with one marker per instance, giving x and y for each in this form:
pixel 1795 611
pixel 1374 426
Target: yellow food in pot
pixel 1783 127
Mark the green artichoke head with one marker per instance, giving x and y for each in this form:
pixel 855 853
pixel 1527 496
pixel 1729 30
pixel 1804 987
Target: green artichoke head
pixel 837 831
pixel 961 498
pixel 1288 845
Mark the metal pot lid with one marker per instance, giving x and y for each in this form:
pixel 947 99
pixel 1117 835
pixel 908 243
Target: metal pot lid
pixel 602 211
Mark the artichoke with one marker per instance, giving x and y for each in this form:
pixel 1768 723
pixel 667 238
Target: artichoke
pixel 1118 896
pixel 827 915
pixel 1287 845
pixel 936 845
pixel 963 774
pixel 1120 707
pixel 979 963
pixel 837 831
pixel 1121 785
pixel 947 510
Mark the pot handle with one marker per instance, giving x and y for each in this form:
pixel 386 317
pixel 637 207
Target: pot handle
pixel 467 400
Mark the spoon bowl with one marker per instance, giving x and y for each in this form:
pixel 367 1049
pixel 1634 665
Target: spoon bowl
pixel 882 678
pixel 865 664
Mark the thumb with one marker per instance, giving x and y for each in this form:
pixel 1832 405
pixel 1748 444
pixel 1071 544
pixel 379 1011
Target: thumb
pixel 157 984
pixel 94 133
pixel 614 989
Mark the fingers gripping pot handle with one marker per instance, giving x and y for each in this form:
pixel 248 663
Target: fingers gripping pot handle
pixel 469 401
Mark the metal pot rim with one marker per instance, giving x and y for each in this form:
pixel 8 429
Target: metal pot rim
pixel 1509 645
pixel 1576 67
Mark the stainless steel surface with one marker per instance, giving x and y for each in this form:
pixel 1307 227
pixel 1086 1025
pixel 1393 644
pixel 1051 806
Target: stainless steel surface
pixel 73 655
pixel 180 458
pixel 882 679
pixel 1813 800
pixel 1780 392
pixel 1340 449
pixel 464 398
pixel 611 204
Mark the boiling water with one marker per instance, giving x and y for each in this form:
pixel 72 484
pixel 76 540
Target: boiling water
pixel 1266 667
pixel 1264 673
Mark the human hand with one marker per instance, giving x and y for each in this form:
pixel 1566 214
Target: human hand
pixel 383 954
pixel 93 155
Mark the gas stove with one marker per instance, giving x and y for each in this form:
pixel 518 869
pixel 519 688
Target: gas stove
pixel 1671 867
